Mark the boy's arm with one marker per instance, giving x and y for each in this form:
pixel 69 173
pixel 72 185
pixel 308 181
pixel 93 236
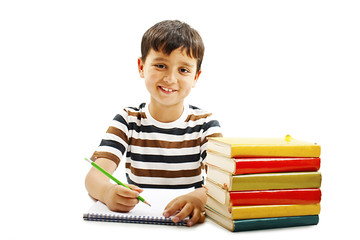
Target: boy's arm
pixel 117 198
pixel 191 204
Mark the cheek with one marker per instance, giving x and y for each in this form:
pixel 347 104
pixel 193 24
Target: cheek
pixel 153 76
pixel 150 77
pixel 149 85
pixel 151 81
pixel 186 86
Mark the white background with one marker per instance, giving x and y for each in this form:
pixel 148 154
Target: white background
pixel 271 68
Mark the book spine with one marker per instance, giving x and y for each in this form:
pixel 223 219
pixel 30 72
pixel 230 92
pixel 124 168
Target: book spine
pixel 269 223
pixel 268 181
pixel 275 197
pixel 269 211
pixel 268 165
pixel 275 151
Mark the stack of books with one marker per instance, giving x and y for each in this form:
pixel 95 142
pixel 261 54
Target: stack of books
pixel 262 183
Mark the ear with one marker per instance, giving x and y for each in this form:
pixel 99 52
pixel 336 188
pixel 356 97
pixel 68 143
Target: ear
pixel 196 78
pixel 141 67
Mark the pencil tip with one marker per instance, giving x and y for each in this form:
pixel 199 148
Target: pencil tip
pixel 147 203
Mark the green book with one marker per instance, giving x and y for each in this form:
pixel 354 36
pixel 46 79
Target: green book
pixel 261 223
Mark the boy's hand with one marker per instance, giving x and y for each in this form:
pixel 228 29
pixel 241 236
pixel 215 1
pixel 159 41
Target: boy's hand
pixel 189 205
pixel 122 199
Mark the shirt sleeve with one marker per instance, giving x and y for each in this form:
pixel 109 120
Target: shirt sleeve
pixel 115 142
pixel 211 128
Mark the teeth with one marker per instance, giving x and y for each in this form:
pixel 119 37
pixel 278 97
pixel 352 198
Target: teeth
pixel 167 89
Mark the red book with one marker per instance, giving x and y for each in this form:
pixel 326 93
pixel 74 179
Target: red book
pixel 264 197
pixel 263 165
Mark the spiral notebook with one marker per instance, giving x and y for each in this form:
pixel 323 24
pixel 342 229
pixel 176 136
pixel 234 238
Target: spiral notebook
pixel 142 213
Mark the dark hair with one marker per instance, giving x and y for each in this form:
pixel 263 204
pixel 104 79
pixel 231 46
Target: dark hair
pixel 169 35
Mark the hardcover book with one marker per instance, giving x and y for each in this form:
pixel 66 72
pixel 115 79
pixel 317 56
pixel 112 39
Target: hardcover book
pixel 266 147
pixel 242 165
pixel 261 223
pixel 262 211
pixel 263 197
pixel 263 181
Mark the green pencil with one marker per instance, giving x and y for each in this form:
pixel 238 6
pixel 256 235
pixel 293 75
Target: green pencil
pixel 114 179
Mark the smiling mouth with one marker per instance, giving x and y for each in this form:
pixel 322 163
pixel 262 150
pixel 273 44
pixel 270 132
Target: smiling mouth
pixel 167 90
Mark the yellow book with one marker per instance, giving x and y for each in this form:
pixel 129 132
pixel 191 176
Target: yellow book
pixel 263 147
pixel 262 211
pixel 263 181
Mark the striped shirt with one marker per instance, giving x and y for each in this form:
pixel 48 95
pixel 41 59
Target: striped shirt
pixel 160 155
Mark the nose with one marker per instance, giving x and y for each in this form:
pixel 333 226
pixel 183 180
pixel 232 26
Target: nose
pixel 170 77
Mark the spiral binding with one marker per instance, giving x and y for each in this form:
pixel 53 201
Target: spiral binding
pixel 131 219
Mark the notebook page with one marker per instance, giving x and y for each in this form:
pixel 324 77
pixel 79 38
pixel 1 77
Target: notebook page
pixel 158 198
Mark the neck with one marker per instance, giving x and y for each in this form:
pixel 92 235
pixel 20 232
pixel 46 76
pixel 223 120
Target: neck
pixel 164 113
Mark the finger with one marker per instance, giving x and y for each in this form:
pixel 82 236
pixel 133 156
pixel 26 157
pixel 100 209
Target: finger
pixel 197 216
pixel 127 197
pixel 202 217
pixel 135 188
pixel 185 211
pixel 125 192
pixel 130 202
pixel 170 204
pixel 173 207
pixel 117 207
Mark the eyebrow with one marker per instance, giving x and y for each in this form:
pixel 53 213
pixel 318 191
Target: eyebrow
pixel 161 59
pixel 188 64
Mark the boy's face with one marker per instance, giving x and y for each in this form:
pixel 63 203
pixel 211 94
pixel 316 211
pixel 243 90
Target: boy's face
pixel 169 78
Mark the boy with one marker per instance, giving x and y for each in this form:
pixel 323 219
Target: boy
pixel 164 141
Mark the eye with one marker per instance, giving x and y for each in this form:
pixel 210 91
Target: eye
pixel 184 70
pixel 160 66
